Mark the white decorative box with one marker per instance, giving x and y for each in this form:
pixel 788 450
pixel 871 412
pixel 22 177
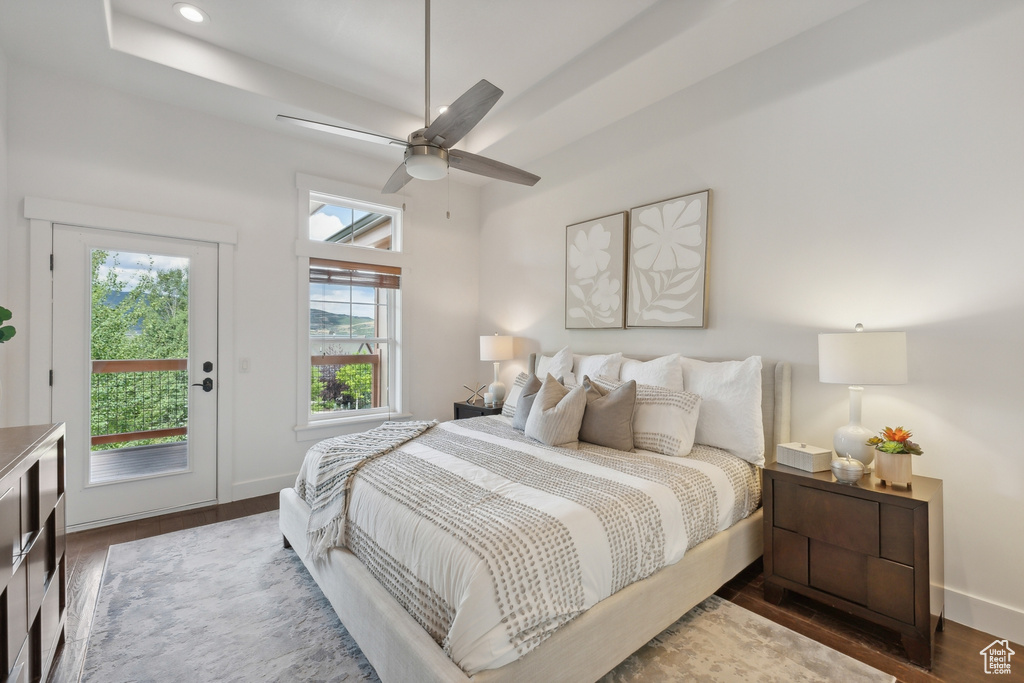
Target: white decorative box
pixel 804 456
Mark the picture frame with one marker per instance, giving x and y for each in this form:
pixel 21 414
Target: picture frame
pixel 595 263
pixel 667 263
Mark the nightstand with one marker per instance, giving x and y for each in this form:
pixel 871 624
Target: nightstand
pixel 870 550
pixel 464 410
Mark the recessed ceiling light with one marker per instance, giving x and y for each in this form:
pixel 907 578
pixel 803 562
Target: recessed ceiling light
pixel 442 109
pixel 190 12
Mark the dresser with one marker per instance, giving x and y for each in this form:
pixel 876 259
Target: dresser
pixel 871 550
pixel 32 540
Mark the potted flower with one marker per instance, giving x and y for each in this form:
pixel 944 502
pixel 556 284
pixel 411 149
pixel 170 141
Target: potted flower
pixel 892 462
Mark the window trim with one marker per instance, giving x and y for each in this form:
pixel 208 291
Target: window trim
pixel 308 426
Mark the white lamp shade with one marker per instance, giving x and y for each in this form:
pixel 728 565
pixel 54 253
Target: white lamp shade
pixel 859 358
pixel 496 347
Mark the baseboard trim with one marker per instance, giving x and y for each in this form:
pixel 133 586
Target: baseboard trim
pixel 84 526
pixel 978 613
pixel 261 487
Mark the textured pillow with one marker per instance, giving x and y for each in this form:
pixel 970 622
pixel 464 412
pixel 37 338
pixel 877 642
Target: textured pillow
pixel 608 419
pixel 509 408
pixel 599 366
pixel 730 414
pixel 664 421
pixel 556 414
pixel 525 404
pixel 558 365
pixel 666 371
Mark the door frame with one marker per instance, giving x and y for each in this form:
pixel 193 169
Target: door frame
pixel 42 214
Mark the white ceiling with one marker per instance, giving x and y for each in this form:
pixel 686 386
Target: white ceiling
pixel 568 67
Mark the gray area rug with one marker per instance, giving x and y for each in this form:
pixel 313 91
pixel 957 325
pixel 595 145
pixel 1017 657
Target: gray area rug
pixel 226 602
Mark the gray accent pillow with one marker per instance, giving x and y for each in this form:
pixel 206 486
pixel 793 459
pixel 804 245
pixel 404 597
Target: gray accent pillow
pixel 608 419
pixel 556 414
pixel 664 421
pixel 525 403
pixel 512 400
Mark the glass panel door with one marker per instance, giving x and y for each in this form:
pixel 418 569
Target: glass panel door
pixel 139 353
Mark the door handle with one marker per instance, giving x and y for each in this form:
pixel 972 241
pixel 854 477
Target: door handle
pixel 206 384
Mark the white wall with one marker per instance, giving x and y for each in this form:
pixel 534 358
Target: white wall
pixel 869 171
pixel 76 142
pixel 3 221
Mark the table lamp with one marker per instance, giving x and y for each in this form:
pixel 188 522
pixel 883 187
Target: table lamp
pixel 855 359
pixel 496 348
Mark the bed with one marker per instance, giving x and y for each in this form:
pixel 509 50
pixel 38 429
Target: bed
pixel 583 644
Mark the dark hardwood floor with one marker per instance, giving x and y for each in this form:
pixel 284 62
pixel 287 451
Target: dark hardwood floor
pixel 957 647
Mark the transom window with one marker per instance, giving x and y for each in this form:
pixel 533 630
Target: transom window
pixel 348 223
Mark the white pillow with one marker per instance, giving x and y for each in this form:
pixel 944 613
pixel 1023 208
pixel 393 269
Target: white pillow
pixel 666 371
pixel 558 365
pixel 557 414
pixel 663 421
pixel 730 414
pixel 599 366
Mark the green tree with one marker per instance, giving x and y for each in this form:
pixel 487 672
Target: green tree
pixel 147 320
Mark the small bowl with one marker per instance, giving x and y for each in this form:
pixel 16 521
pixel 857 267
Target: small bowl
pixel 847 470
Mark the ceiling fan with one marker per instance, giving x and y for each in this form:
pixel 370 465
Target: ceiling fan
pixel 428 151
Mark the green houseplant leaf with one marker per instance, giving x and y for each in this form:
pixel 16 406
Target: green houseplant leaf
pixel 6 331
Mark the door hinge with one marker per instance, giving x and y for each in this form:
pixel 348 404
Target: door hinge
pixel 51 262
pixel 51 378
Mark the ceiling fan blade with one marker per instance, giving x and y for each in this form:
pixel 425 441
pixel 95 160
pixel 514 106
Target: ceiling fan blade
pixel 341 130
pixel 397 180
pixel 464 161
pixel 463 114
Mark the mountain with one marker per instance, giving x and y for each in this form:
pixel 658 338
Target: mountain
pixel 326 323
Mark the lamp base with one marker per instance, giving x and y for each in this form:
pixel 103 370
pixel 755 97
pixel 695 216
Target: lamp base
pixel 497 391
pixel 851 439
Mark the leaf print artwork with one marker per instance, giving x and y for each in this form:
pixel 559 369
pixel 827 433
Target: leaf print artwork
pixel 667 263
pixel 594 265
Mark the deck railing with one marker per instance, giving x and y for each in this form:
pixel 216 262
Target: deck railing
pixel 328 366
pixel 134 400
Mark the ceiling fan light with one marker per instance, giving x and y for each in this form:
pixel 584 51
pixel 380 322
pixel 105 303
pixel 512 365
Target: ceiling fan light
pixel 426 163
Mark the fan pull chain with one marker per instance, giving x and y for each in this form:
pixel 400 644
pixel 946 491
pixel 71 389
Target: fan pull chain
pixel 448 183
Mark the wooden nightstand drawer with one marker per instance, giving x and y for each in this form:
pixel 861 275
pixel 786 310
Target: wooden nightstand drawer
pixel 839 571
pixel 897 534
pixel 790 555
pixel 891 589
pixel 843 521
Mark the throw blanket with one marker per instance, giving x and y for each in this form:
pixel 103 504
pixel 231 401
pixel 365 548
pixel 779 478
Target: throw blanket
pixel 326 477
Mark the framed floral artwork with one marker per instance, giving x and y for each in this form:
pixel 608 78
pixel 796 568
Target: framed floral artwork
pixel 667 264
pixel 595 263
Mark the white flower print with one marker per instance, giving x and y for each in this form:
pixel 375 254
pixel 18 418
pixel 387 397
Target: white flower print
pixel 588 253
pixel 662 238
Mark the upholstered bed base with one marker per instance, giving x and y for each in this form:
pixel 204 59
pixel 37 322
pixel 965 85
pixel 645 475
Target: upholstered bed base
pixel 583 650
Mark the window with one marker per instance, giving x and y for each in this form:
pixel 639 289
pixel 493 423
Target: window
pixel 347 222
pixel 351 337
pixel 349 248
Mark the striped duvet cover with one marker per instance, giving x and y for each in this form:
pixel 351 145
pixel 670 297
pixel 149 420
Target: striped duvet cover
pixel 491 541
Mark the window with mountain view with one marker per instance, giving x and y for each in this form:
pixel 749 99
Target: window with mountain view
pixel 351 336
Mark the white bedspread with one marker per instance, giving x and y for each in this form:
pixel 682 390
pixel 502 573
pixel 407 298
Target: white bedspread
pixel 492 541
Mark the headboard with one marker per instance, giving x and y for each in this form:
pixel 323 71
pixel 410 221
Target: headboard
pixel 776 401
